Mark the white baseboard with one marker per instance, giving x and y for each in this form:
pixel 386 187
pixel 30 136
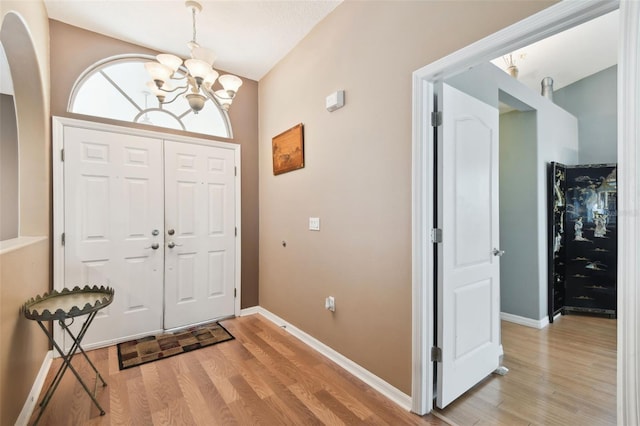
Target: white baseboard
pixel 386 389
pixel 32 398
pixel 249 311
pixel 539 324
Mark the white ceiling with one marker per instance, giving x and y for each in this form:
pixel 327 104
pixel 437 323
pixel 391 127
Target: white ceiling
pixel 569 56
pixel 249 36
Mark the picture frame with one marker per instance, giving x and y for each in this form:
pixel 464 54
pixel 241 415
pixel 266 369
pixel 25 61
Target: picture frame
pixel 288 150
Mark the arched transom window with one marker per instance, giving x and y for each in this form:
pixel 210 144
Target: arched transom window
pixel 116 88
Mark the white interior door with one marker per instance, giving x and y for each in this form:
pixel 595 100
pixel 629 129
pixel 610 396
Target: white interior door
pixel 113 203
pixel 468 319
pixel 200 233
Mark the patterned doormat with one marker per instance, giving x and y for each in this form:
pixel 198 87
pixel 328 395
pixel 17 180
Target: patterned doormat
pixel 152 348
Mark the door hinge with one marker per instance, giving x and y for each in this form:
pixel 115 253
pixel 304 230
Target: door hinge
pixel 62 154
pixel 235 293
pixel 236 231
pixel 62 238
pixel 436 354
pixel 436 235
pixel 436 118
pixel 235 170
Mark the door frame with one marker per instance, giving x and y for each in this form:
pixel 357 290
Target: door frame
pixel 556 18
pixel 57 131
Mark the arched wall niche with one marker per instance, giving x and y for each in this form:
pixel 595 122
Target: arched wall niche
pixel 25 261
pixel 32 123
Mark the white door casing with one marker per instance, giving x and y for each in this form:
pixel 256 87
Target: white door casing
pixel 468 332
pixel 113 202
pixel 200 214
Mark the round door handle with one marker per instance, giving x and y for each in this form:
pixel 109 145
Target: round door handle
pixel 154 246
pixel 172 244
pixel 171 231
pixel 497 252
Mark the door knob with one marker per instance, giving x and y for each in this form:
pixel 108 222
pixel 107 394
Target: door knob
pixel 171 231
pixel 154 246
pixel 172 244
pixel 155 232
pixel 497 252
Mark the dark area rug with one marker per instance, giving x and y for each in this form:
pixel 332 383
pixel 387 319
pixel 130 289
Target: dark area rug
pixel 152 348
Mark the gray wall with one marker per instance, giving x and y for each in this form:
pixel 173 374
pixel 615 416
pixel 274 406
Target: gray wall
pixel 524 288
pixel 8 169
pixel 518 230
pixel 593 100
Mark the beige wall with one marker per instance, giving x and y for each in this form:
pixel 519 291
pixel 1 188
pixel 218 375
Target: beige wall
pixel 357 175
pixel 73 50
pixel 25 272
pixel 23 275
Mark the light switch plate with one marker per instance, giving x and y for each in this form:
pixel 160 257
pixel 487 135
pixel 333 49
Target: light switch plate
pixel 314 224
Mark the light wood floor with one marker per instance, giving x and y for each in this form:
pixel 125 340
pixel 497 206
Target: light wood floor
pixel 564 374
pixel 561 375
pixel 263 377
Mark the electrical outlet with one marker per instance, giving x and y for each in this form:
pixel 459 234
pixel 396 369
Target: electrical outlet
pixel 330 303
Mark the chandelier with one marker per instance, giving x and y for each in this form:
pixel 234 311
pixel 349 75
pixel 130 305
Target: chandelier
pixel 171 79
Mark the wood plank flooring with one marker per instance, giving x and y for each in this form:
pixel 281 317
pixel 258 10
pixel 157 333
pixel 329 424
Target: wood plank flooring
pixel 263 377
pixel 564 374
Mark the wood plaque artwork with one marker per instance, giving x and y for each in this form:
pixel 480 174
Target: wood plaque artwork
pixel 288 150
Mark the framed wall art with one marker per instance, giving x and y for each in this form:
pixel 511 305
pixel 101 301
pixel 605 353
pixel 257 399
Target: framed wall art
pixel 288 150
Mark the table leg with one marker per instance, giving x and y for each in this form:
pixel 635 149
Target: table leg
pixel 66 363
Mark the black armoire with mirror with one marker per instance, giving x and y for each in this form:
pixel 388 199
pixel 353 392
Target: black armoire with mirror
pixel 582 239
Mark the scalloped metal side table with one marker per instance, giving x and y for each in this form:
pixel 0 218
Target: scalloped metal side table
pixel 62 306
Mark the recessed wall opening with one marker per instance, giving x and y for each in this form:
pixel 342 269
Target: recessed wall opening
pixel 9 159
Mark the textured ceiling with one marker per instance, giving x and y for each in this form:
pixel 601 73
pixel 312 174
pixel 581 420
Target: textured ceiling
pixel 249 37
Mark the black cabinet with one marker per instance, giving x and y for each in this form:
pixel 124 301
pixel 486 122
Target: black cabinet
pixel 582 239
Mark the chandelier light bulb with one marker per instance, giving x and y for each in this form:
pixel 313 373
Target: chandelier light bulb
pixel 230 83
pixel 198 69
pixel 159 73
pixel 170 61
pixel 210 79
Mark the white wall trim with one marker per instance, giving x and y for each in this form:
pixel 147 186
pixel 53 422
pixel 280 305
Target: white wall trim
pixel 389 391
pixel 249 311
pixel 629 214
pixel 422 253
pixel 559 17
pixel 517 319
pixel 36 388
pixel 18 243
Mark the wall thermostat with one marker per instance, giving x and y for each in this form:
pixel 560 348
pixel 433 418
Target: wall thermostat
pixel 335 100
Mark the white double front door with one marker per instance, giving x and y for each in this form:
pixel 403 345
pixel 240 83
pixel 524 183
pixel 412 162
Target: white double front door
pixel 156 220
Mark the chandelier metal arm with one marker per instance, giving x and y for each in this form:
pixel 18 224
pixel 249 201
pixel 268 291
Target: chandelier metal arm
pixel 177 88
pixel 185 89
